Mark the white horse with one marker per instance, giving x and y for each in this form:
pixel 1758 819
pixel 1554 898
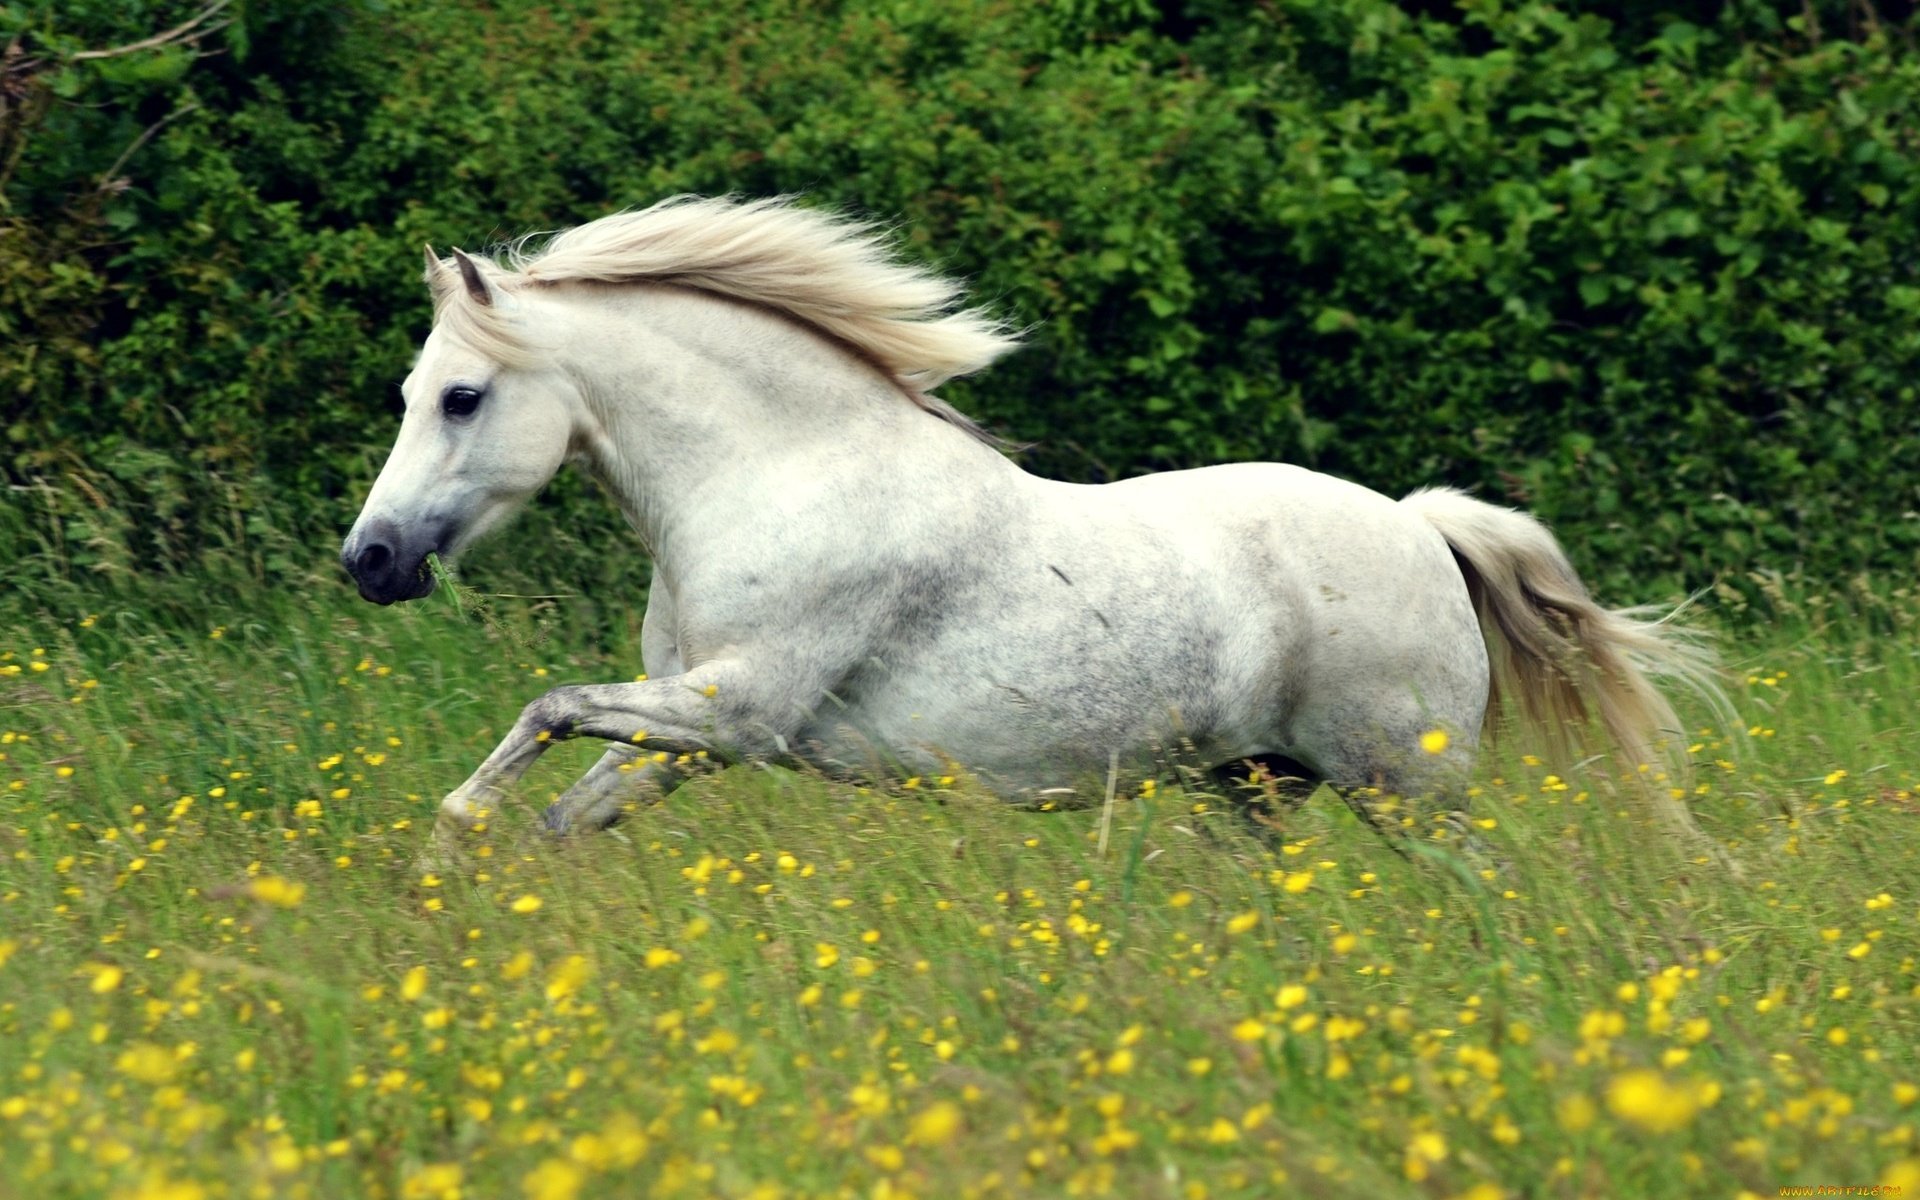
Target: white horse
pixel 849 574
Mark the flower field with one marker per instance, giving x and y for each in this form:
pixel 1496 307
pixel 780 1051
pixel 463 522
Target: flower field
pixel 223 973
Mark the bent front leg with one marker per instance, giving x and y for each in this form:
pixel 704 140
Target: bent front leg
pixel 681 714
pixel 624 777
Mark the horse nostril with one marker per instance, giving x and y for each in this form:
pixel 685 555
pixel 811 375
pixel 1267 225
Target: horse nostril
pixel 373 560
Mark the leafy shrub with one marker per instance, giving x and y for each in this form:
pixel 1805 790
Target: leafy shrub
pixel 1653 279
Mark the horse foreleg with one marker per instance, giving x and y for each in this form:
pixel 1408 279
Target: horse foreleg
pixel 681 714
pixel 624 776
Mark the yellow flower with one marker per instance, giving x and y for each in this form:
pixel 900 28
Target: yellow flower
pixel 1505 1131
pixel 146 1062
pixel 281 893
pixel 935 1125
pixel 1297 881
pixel 434 1181
pixel 1242 922
pixel 414 985
pixel 106 977
pixel 527 904
pixel 567 975
pixel 1422 1152
pixel 1434 741
pixel 869 1099
pixel 1902 1178
pixel 554 1179
pixel 1250 1030
pixel 1646 1098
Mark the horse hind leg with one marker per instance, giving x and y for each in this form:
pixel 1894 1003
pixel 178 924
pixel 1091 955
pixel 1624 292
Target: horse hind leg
pixel 1403 775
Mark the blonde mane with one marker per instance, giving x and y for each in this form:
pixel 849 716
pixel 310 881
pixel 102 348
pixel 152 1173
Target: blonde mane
pixel 830 272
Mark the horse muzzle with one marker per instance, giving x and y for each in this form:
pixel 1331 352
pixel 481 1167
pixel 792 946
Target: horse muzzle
pixel 387 565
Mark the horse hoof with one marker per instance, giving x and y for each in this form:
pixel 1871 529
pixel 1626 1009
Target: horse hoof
pixel 443 852
pixel 556 820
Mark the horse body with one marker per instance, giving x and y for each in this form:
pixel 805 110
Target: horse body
pixel 845 575
pixel 1247 610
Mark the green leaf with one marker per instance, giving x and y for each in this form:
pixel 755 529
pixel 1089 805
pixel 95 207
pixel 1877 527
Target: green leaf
pixel 1335 320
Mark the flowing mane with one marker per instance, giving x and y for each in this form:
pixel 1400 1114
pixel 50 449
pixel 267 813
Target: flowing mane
pixel 828 271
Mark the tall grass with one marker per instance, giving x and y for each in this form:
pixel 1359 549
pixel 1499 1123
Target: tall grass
pixel 221 973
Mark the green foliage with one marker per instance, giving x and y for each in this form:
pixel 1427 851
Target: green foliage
pixel 1665 300
pixel 1653 279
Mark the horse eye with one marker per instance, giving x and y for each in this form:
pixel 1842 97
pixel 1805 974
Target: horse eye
pixel 459 402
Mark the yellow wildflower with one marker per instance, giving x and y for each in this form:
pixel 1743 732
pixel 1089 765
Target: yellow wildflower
pixel 554 1179
pixel 934 1125
pixel 281 893
pixel 1646 1098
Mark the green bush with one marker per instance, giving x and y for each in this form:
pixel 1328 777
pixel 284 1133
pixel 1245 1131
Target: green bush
pixel 1653 279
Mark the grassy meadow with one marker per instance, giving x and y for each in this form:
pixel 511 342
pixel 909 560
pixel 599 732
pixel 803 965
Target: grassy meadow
pixel 222 973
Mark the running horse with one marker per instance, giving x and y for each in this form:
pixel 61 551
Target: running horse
pixel 849 573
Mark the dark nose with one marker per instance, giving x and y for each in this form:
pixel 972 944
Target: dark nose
pixel 375 559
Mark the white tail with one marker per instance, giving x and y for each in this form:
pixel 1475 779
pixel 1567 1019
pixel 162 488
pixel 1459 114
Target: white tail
pixel 1564 656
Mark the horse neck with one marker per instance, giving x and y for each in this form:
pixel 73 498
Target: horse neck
pixel 701 404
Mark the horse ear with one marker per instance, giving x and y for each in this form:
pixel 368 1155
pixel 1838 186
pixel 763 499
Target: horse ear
pixel 436 274
pixel 475 281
